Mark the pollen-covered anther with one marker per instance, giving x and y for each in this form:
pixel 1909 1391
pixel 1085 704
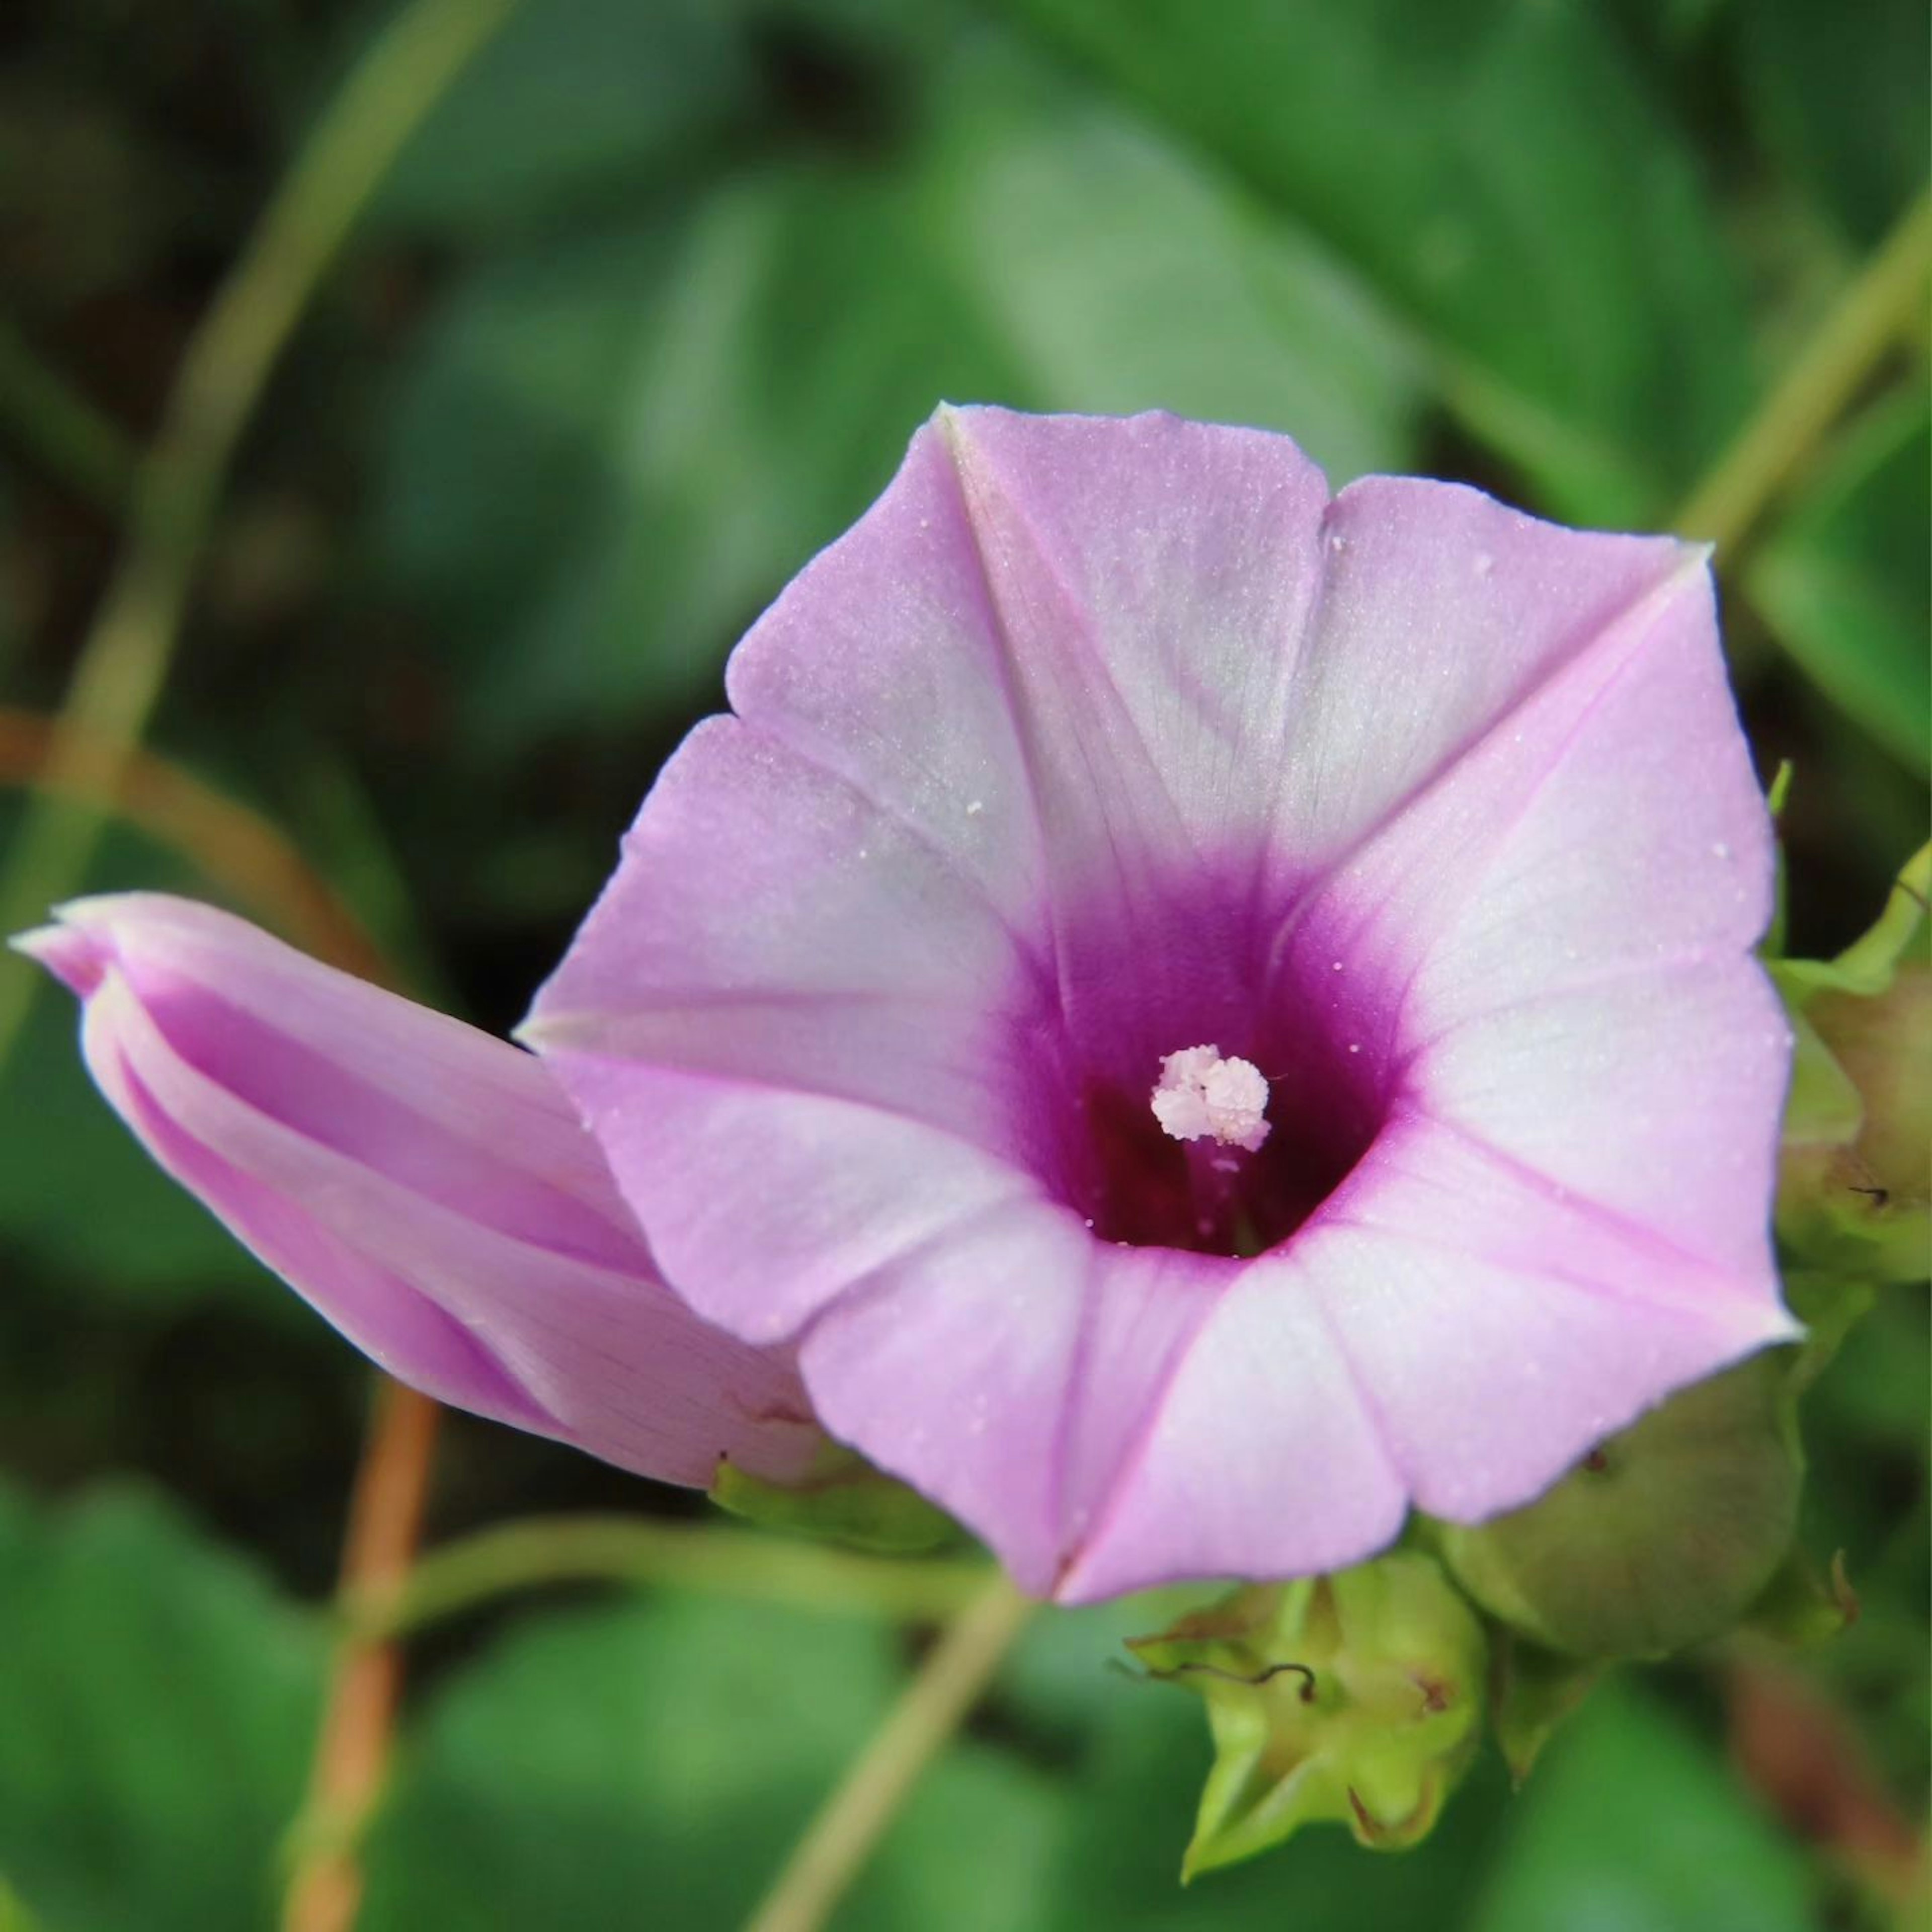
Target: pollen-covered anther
pixel 1200 1095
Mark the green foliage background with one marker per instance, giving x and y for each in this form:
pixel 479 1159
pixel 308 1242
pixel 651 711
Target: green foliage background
pixel 644 315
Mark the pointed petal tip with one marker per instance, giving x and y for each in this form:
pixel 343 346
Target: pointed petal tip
pixel 74 956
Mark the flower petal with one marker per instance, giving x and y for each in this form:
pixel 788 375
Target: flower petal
pixel 1655 1097
pixel 426 1187
pixel 1501 1326
pixel 768 921
pixel 1038 1361
pixel 766 1205
pixel 1261 1458
pixel 1443 614
pixel 1152 580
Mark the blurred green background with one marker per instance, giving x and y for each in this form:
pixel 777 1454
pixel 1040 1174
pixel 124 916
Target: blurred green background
pixel 645 314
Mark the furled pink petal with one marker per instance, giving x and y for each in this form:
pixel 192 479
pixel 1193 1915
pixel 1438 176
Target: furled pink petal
pixel 1097 741
pixel 425 1186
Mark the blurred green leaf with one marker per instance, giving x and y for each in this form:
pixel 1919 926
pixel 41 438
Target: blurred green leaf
pixel 576 103
pixel 1844 583
pixel 1125 277
pixel 658 1760
pixel 614 452
pixel 976 1850
pixel 664 1752
pixel 1840 98
pixel 1631 1825
pixel 1071 1669
pixel 1500 173
pixel 157 1708
pixel 500 443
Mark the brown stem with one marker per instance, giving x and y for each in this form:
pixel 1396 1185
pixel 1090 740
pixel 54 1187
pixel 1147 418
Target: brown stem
pixel 384 1522
pixel 231 845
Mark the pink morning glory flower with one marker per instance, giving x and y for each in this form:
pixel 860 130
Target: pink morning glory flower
pixel 1206 1014
pixel 426 1187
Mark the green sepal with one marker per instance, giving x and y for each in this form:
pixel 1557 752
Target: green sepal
pixel 1531 1690
pixel 1803 1605
pixel 1830 1306
pixel 1776 795
pixel 842 1499
pixel 1355 1699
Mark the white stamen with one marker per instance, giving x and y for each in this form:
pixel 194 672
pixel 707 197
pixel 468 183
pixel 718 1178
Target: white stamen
pixel 1201 1095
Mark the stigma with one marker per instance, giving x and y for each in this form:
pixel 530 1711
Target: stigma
pixel 1200 1097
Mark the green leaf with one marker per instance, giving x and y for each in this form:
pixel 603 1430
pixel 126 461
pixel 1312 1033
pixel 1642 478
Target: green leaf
pixel 671 1752
pixel 976 1850
pixel 660 1758
pixel 1631 1825
pixel 1840 99
pixel 1844 583
pixel 502 441
pixel 1122 276
pixel 614 452
pixel 157 1711
pixel 576 103
pixel 1499 173
pixel 590 1761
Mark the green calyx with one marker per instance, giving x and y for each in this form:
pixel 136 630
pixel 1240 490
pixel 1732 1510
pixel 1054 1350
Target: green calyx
pixel 1355 1699
pixel 842 1499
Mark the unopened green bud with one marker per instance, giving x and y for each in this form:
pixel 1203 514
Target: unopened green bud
pixel 1355 1699
pixel 1662 1537
pixel 842 1499
pixel 1854 1189
pixel 1855 1183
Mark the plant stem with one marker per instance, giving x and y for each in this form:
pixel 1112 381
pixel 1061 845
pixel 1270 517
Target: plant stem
pixel 465 1575
pixel 838 1841
pixel 124 663
pixel 1887 297
pixel 384 1522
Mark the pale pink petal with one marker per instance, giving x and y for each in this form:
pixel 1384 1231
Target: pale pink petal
pixel 1263 1460
pixel 1040 1360
pixel 1500 1326
pixel 1442 614
pixel 1655 1096
pixel 768 920
pixel 425 1186
pixel 765 1205
pixel 1152 580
